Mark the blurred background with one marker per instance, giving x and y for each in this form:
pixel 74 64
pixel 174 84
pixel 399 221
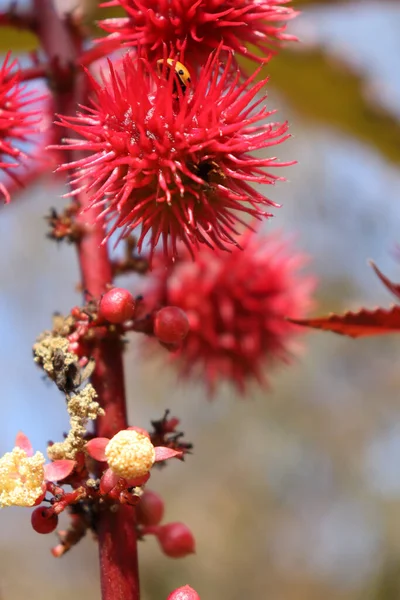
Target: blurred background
pixel 292 494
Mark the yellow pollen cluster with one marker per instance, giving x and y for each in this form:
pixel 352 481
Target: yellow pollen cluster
pixel 81 407
pixel 44 350
pixel 21 478
pixel 130 454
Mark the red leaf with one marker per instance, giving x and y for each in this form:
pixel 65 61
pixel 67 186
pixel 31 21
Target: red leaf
pixel 96 448
pixel 357 324
pixel 23 442
pixel 163 453
pixel 59 469
pixel 392 287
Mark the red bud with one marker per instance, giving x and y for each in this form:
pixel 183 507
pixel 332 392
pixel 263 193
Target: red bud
pixel 44 520
pixel 117 305
pixel 176 540
pixel 184 593
pixel 171 325
pixel 150 509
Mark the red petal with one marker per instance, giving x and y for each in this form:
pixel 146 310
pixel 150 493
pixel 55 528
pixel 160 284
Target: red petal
pixel 23 442
pixel 59 469
pixel 136 481
pixel 357 324
pixel 163 453
pixel 96 448
pixel 392 287
pixel 139 430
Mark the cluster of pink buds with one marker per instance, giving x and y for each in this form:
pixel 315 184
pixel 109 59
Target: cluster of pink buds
pixel 107 472
pixel 116 313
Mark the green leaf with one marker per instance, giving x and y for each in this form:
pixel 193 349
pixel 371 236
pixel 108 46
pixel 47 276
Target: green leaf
pixel 17 40
pixel 325 90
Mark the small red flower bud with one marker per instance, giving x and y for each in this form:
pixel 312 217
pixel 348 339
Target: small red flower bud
pixel 76 312
pixel 117 305
pixel 176 540
pixel 108 481
pixel 184 593
pixel 171 325
pixel 150 509
pixel 44 520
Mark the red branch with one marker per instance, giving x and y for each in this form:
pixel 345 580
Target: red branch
pixel 118 555
pixel 20 20
pixel 116 531
pixel 37 72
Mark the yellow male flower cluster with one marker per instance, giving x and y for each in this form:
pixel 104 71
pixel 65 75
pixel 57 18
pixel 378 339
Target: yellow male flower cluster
pixel 21 478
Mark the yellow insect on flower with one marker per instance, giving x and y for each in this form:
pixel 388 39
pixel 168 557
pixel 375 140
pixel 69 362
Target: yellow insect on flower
pixel 181 72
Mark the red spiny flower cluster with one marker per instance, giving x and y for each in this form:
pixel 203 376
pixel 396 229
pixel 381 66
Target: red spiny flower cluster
pixel 201 26
pixel 175 163
pixel 16 123
pixel 237 304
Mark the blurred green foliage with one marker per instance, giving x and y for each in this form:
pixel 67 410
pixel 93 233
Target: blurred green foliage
pixel 325 90
pixel 17 40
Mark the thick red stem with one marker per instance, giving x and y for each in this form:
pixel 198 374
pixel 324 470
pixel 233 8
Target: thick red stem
pixel 116 530
pixel 118 555
pixel 37 72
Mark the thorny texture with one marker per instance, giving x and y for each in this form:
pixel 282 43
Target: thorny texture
pixel 179 167
pixel 200 26
pixel 16 122
pixel 237 304
pixel 21 478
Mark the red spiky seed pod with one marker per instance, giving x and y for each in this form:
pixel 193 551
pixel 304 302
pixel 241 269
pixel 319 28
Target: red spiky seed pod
pixel 150 509
pixel 184 593
pixel 201 26
pixel 237 303
pixel 177 169
pixel 171 325
pixel 117 306
pixel 44 520
pixel 176 540
pixel 16 122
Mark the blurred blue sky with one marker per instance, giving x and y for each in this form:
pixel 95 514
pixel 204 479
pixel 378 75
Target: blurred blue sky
pixel 342 200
